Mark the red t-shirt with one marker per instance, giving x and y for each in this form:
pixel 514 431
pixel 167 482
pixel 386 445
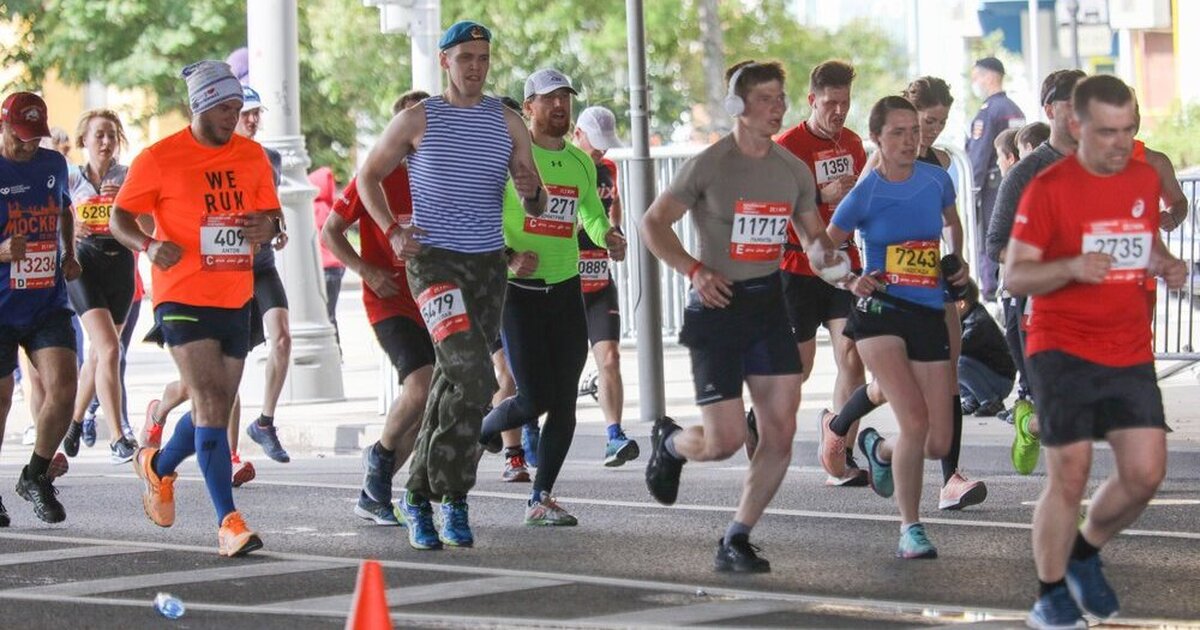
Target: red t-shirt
pixel 828 160
pixel 1066 207
pixel 376 250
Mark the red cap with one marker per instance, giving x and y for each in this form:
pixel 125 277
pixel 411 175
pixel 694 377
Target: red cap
pixel 26 113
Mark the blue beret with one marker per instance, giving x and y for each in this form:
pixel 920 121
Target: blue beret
pixel 464 31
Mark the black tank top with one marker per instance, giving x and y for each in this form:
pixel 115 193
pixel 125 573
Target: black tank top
pixel 929 157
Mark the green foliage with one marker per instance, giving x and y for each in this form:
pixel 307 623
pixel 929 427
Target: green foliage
pixel 1176 135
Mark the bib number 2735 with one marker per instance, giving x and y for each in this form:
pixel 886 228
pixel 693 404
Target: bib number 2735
pixel 444 310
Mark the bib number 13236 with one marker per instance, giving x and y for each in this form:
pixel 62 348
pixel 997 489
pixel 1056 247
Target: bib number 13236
pixel 36 270
pixel 759 230
pixel 223 244
pixel 444 310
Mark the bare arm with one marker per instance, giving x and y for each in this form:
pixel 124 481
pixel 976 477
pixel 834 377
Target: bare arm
pixel 1028 274
pixel 127 229
pixel 1172 194
pixel 952 231
pixel 523 169
pixel 333 235
pixel 713 288
pixel 399 139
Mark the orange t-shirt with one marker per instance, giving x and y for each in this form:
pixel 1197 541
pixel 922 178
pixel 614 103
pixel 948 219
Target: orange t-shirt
pixel 196 195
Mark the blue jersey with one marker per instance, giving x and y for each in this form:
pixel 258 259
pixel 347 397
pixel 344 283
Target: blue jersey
pixel 32 197
pixel 901 225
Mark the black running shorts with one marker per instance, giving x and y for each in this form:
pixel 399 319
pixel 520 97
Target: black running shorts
pixel 603 314
pixel 812 302
pixel 177 324
pixel 406 343
pixel 923 329
pixel 106 281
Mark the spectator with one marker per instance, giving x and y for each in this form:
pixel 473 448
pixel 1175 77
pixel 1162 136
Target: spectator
pixel 1006 150
pixel 326 185
pixel 985 370
pixel 1031 136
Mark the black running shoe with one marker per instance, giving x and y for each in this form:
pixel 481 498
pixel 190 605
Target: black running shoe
pixel 40 492
pixel 662 471
pixel 71 440
pixel 122 450
pixel 751 433
pixel 3 515
pixel 739 556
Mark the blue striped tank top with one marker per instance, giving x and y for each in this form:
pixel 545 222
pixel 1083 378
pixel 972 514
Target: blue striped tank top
pixel 458 175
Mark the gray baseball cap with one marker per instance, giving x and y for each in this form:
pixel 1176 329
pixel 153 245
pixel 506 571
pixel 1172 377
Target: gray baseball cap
pixel 546 81
pixel 600 126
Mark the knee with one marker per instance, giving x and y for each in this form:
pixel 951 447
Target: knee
pixel 281 345
pixel 609 360
pixel 107 352
pixel 937 446
pixel 1143 482
pixel 1069 484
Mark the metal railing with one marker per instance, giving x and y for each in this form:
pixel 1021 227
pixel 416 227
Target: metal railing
pixel 1174 323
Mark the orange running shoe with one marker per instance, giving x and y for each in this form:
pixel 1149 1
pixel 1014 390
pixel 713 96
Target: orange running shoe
pixel 151 430
pixel 234 539
pixel 158 493
pixel 244 473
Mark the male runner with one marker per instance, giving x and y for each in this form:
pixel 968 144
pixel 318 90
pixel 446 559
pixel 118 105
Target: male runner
pixel 460 146
pixel 1084 239
pixel 211 194
pixel 37 258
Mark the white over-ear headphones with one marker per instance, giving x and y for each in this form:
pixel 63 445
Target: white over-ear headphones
pixel 734 105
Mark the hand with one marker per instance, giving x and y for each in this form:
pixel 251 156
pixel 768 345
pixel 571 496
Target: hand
pixel 523 264
pixel 164 254
pixel 1171 269
pixel 110 189
pixel 961 278
pixel 258 227
pixel 281 241
pixel 71 268
pixel 833 266
pixel 865 285
pixel 382 281
pixel 616 244
pixel 834 191
pixel 714 289
pixel 12 248
pixel 1090 268
pixel 82 230
pixel 403 240
pixel 526 181
pixel 1167 221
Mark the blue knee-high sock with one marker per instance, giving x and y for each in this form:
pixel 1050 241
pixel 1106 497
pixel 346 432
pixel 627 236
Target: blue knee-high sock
pixel 181 446
pixel 212 452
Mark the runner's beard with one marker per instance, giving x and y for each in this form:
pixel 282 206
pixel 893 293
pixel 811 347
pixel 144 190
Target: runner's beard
pixel 549 128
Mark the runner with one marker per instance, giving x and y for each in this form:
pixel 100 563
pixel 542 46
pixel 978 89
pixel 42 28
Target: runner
pixel 901 208
pixel 212 197
pixel 37 259
pixel 1084 239
pixel 596 133
pixel 454 250
pixel 103 295
pixel 835 156
pixel 398 327
pixel 544 326
pixel 741 192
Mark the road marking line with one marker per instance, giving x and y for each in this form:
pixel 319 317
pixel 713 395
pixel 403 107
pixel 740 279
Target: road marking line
pixel 68 553
pixel 707 612
pixel 423 594
pixel 236 570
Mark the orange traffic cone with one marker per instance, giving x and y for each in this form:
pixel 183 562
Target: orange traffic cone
pixel 370 609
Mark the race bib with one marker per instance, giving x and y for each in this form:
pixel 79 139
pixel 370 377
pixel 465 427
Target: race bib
pixel 95 212
pixel 36 270
pixel 913 264
pixel 831 165
pixel 759 230
pixel 223 244
pixel 593 269
pixel 559 217
pixel 1127 241
pixel 444 310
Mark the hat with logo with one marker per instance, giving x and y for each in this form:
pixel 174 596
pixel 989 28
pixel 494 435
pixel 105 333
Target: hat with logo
pixel 1059 84
pixel 991 63
pixel 251 99
pixel 600 125
pixel 464 31
pixel 546 81
pixel 209 84
pixel 26 113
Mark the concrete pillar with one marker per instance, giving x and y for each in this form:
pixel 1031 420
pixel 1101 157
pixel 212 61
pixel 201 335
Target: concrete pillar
pixel 315 373
pixel 424 31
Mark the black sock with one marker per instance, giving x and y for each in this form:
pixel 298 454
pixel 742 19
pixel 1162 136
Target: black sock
pixel 265 421
pixel 38 466
pixel 858 406
pixel 1083 549
pixel 513 451
pixel 1046 587
pixel 950 461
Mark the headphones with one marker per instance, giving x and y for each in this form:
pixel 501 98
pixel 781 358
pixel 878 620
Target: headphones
pixel 734 105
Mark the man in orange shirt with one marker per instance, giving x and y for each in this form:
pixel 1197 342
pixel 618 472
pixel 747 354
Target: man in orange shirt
pixel 212 198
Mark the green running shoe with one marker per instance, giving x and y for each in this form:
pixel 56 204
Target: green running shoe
pixel 1026 446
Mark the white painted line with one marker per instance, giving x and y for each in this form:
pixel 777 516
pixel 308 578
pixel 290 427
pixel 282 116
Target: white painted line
pixel 236 570
pixel 423 594
pixel 66 553
pixel 1153 502
pixel 707 612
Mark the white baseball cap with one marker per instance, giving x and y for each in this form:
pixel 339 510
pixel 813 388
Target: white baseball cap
pixel 600 125
pixel 546 81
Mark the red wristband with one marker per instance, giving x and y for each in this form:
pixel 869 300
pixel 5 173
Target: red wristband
pixel 147 243
pixel 696 267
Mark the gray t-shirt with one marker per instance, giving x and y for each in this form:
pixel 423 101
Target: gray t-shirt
pixel 740 206
pixel 999 229
pixel 91 208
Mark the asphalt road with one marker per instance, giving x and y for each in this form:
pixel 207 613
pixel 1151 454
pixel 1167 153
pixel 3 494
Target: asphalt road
pixel 630 562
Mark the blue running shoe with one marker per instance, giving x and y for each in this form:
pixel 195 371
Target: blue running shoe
pixel 915 544
pixel 1089 589
pixel 376 512
pixel 89 431
pixel 456 526
pixel 418 517
pixel 1055 611
pixel 531 435
pixel 880 473
pixel 267 438
pixel 619 450
pixel 377 475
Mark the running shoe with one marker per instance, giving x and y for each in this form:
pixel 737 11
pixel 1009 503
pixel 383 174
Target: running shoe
pixel 663 470
pixel 739 556
pixel 41 493
pixel 376 512
pixel 158 493
pixel 152 431
pixel 1055 611
pixel 1005 416
pixel 456 525
pixel 960 492
pixel 751 433
pixel 831 447
pixel 243 472
pixel 378 470
pixel 989 409
pixel 619 450
pixel 122 450
pixel 29 436
pixel 879 474
pixel 1026 446
pixel 234 539
pixel 4 521
pixel 515 470
pixel 268 439
pixel 589 385
pixel 969 406
pixel 419 518
pixel 70 441
pixel 546 512
pixel 58 465
pixel 915 544
pixel 1089 589
pixel 855 477
pixel 89 431
pixel 127 430
pixel 531 437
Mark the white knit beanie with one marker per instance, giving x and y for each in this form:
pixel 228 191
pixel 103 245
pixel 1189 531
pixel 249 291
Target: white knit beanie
pixel 210 83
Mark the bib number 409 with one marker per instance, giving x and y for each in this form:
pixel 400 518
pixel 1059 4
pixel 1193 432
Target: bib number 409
pixel 223 244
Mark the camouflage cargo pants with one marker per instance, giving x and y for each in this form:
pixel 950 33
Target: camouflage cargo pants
pixel 461 297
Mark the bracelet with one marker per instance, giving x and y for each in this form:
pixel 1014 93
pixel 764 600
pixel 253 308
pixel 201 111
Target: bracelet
pixel 696 267
pixel 147 243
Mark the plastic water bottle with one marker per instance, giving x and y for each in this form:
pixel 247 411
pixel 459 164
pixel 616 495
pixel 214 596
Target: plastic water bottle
pixel 169 606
